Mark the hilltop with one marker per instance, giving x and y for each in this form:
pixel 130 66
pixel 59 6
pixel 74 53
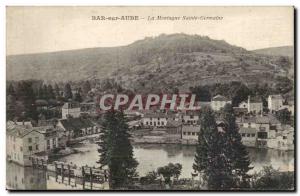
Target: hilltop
pixel 154 63
pixel 277 51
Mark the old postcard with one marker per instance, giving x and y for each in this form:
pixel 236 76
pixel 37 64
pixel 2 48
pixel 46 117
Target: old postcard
pixel 150 98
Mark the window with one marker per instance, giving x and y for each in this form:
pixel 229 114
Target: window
pixel 150 123
pixel 158 118
pixel 193 133
pixel 284 137
pixel 37 147
pixel 158 123
pixel 162 123
pixel 21 149
pixel 184 133
pixel 243 134
pixel 253 135
pixel 30 148
pixel 147 123
pixel 248 135
pixel 54 142
pixel 189 133
pixel 48 144
pixel 29 140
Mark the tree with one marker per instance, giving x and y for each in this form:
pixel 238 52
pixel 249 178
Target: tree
pixel 210 158
pixel 170 170
pixel 50 92
pixel 68 91
pixel 86 88
pixel 56 90
pixel 115 150
pixel 271 179
pixel 27 98
pixel 11 90
pixel 40 92
pixel 77 97
pixel 235 151
pixel 284 116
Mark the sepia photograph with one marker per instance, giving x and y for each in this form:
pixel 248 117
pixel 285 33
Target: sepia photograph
pixel 150 98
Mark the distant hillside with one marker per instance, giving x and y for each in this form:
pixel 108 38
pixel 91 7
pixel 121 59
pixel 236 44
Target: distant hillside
pixel 277 51
pixel 154 63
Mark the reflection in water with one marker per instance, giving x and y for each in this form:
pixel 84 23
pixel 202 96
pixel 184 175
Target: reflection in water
pixel 149 156
pixel 152 156
pixel 22 178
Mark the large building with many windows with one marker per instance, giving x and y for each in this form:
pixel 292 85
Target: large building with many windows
pixel 23 142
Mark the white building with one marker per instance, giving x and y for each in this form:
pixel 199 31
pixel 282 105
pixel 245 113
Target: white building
pixel 190 134
pixel 249 136
pixel 218 102
pixel 70 109
pixel 190 118
pixel 77 127
pixel 283 140
pixel 23 142
pixel 275 102
pixel 253 105
pixel 158 119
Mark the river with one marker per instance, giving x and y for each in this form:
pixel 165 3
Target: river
pixel 149 156
pixel 152 156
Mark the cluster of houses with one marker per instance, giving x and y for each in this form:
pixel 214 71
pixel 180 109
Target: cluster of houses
pixel 25 140
pixel 257 129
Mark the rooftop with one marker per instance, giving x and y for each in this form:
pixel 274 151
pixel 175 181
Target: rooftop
pixel 219 98
pixel 76 123
pixel 269 119
pixel 247 130
pixel 275 96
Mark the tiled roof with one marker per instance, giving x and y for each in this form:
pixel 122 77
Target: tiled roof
pixel 247 130
pixel 70 105
pixel 158 115
pixel 219 98
pixel 276 96
pixel 173 123
pixel 76 123
pixel 191 128
pixel 270 119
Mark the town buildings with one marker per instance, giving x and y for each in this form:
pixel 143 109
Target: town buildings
pixel 275 102
pixel 190 134
pixel 266 132
pixel 218 102
pixel 253 105
pixel 71 109
pixel 23 142
pixel 77 127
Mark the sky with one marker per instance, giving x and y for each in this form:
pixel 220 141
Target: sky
pixel 47 29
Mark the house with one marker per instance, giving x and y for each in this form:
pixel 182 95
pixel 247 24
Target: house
pixel 158 119
pixel 218 102
pixel 275 102
pixel 189 134
pixel 249 136
pixel 23 142
pixel 173 127
pixel 289 106
pixel 283 140
pixel 77 127
pixel 71 109
pixel 190 117
pixel 266 127
pixel 253 105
